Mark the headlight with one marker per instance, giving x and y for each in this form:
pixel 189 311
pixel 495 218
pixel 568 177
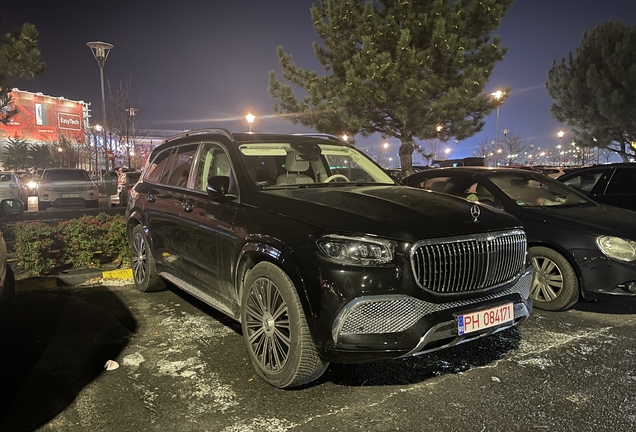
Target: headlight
pixel 32 185
pixel 358 251
pixel 617 248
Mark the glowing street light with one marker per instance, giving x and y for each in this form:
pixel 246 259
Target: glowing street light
pixel 497 95
pixel 250 119
pixel 345 137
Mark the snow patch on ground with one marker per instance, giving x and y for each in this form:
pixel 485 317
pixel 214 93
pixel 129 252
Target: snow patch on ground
pixel 260 424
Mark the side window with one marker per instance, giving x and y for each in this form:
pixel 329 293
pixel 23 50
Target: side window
pixel 214 161
pixel 584 182
pixel 622 182
pixel 178 167
pixel 158 166
pixel 438 184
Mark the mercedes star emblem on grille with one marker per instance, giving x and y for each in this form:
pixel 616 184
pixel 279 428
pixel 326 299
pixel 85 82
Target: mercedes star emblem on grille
pixel 475 211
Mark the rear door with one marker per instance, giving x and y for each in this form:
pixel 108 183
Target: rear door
pixel 163 197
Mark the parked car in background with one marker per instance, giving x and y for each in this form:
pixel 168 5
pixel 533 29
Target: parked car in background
pixel 319 254
pixel 12 187
pixel 552 171
pixel 67 187
pixel 613 184
pixel 126 181
pixel 8 207
pixel 578 247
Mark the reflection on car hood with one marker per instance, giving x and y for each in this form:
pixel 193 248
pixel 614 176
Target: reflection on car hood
pixel 397 212
pixel 596 220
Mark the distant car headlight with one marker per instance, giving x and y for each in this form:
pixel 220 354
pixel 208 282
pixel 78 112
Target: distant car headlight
pixel 358 251
pixel 617 248
pixel 32 185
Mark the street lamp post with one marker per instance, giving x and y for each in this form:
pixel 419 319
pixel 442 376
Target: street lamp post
pixel 560 135
pixel 100 52
pixel 250 119
pixel 132 112
pixel 497 95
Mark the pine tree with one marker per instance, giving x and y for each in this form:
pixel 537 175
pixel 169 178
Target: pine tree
pixel 15 155
pixel 595 90
pixel 398 68
pixel 19 57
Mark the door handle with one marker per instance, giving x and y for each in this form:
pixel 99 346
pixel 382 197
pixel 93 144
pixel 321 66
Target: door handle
pixel 151 198
pixel 187 206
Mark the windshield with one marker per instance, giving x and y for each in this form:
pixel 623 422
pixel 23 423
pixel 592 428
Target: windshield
pixel 532 190
pixel 62 175
pixel 279 165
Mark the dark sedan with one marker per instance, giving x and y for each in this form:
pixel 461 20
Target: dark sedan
pixel 613 184
pixel 578 246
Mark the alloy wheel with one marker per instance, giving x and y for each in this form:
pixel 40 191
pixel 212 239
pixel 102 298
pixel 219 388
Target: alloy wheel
pixel 268 325
pixel 139 259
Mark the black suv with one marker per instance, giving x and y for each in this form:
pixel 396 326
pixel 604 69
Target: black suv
pixel 319 254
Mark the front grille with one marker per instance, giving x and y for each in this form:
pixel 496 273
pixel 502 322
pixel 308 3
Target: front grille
pixel 468 263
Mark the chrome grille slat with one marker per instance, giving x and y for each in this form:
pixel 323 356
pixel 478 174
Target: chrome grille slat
pixel 468 263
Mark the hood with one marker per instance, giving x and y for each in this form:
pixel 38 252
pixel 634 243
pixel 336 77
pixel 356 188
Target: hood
pixel 396 212
pixel 592 219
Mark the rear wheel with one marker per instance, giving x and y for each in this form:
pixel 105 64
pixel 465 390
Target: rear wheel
pixel 275 330
pixel 143 263
pixel 555 286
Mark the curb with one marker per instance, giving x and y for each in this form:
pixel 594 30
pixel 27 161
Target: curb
pixel 90 278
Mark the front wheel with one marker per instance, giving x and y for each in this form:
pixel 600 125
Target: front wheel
pixel 555 286
pixel 275 330
pixel 143 263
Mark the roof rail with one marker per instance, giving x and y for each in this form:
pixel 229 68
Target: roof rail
pixel 323 135
pixel 221 131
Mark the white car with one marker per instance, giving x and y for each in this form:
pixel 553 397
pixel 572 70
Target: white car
pixel 12 188
pixel 67 187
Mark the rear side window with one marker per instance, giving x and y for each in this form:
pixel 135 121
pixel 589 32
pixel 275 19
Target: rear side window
pixel 623 182
pixel 158 166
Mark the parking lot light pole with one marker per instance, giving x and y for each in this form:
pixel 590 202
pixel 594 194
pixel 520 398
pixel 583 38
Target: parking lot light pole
pixel 497 95
pixel 100 52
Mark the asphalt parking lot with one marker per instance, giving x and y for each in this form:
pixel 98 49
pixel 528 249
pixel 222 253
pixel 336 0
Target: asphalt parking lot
pixel 183 367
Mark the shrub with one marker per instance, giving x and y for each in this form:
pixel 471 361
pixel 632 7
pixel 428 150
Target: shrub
pixel 78 242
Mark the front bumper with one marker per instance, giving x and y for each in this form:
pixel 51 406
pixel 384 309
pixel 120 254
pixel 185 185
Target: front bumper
pixel 390 326
pixel 602 275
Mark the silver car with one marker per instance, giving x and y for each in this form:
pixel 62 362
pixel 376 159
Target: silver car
pixel 67 187
pixel 12 188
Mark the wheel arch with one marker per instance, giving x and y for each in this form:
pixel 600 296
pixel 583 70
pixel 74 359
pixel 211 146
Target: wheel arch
pixel 254 253
pixel 568 257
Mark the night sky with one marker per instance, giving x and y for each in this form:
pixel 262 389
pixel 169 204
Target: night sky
pixel 200 64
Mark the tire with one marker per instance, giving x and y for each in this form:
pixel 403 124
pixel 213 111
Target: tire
pixel 279 345
pixel 143 263
pixel 555 286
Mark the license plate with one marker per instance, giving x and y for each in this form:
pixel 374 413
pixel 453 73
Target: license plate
pixel 70 195
pixel 483 319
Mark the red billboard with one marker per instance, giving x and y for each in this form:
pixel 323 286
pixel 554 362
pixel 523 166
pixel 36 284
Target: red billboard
pixel 42 118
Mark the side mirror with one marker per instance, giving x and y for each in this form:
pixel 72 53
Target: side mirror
pixel 11 207
pixel 219 186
